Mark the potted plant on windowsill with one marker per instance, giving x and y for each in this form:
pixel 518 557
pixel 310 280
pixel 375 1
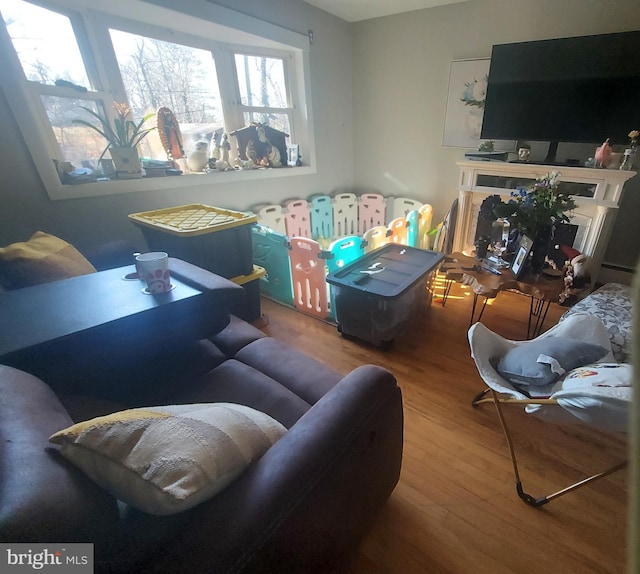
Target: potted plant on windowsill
pixel 122 139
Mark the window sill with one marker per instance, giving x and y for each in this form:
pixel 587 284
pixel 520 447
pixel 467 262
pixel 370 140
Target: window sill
pixel 115 187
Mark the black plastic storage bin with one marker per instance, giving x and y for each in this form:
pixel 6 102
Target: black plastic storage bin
pixel 215 239
pixel 376 296
pixel 250 310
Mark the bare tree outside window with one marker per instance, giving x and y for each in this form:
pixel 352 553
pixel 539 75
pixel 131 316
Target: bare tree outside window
pixel 156 73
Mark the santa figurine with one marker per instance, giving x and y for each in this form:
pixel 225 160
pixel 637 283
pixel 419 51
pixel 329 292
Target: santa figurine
pixel 577 278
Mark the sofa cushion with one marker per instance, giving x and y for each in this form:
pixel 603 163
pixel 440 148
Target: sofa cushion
pixel 163 460
pixel 543 361
pixel 41 259
pixel 303 375
pixel 235 382
pixel 37 486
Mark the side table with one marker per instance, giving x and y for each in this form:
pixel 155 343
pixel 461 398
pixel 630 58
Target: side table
pixel 541 290
pixel 59 330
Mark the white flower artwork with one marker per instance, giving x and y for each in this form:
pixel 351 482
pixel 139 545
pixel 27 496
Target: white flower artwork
pixel 465 105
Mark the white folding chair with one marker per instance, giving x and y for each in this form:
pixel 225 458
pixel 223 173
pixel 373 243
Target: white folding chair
pixel 605 408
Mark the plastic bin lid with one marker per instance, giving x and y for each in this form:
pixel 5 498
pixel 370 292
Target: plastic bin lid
pixel 388 272
pixel 193 219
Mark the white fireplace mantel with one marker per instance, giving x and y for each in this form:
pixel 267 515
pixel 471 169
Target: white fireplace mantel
pixel 597 193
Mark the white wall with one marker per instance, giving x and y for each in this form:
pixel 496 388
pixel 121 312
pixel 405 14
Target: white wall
pixel 401 70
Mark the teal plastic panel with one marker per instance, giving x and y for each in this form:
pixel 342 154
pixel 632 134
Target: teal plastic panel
pixel 271 252
pixel 342 252
pixel 321 218
pixel 413 229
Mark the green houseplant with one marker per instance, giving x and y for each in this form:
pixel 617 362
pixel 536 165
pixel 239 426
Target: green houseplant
pixel 122 138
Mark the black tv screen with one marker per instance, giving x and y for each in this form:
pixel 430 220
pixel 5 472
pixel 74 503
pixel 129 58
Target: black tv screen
pixel 582 90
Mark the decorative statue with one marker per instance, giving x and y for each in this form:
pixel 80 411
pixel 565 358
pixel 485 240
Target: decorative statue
pixel 250 152
pixel 198 160
pixel 272 158
pixel 215 148
pixel 603 154
pixel 225 146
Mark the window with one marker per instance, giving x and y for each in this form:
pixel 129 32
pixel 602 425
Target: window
pixel 263 91
pixel 156 73
pixel 64 60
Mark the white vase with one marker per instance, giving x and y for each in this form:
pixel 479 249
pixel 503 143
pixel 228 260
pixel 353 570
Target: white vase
pixel 127 162
pixel 628 159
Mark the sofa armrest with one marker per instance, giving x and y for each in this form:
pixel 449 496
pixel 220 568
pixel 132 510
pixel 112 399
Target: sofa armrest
pixel 42 497
pixel 309 500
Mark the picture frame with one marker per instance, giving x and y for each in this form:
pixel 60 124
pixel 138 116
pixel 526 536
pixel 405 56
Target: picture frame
pixel 523 249
pixel 465 105
pixel 293 151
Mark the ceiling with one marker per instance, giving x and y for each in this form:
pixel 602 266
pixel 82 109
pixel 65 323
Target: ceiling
pixel 356 10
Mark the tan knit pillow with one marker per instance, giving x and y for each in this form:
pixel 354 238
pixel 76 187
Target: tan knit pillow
pixel 163 460
pixel 42 259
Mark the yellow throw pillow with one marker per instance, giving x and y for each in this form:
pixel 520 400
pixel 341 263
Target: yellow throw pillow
pixel 163 460
pixel 42 259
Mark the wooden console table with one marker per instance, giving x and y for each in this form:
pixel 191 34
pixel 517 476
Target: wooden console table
pixel 542 290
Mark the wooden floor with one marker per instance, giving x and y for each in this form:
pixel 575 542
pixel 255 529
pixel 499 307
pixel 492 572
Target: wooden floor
pixel 455 509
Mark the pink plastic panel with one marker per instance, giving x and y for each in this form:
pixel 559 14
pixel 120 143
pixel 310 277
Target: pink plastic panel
pixel 345 215
pixel 398 229
pixel 272 216
pixel 371 211
pixel 297 218
pixel 375 237
pixel 308 274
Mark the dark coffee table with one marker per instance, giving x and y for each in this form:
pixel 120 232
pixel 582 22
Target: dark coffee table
pixel 104 311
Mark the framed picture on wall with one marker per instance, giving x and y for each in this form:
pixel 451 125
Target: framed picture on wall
pixel 465 105
pixel 522 252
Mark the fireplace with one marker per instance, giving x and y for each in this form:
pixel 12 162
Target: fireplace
pixel 597 193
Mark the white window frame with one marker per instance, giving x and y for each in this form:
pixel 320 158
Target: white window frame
pixel 194 25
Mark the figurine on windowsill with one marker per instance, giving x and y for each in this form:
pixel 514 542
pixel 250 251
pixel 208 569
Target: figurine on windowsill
pixel 198 160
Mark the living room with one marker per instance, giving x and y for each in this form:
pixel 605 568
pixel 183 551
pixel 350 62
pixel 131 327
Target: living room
pixel 378 90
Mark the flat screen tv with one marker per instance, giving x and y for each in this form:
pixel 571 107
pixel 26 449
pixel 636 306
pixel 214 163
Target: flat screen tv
pixel 581 90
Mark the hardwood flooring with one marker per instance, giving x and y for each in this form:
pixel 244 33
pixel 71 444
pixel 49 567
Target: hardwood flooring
pixel 455 509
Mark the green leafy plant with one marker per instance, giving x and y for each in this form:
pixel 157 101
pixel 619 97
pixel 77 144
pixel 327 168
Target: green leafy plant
pixel 542 204
pixel 124 132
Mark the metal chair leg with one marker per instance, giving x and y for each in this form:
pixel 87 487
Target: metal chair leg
pixel 527 498
pixel 447 288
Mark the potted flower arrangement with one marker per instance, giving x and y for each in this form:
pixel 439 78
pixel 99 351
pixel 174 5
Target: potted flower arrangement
pixel 122 139
pixel 535 211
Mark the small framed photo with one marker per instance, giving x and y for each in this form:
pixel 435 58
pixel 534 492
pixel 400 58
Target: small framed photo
pixel 292 154
pixel 522 252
